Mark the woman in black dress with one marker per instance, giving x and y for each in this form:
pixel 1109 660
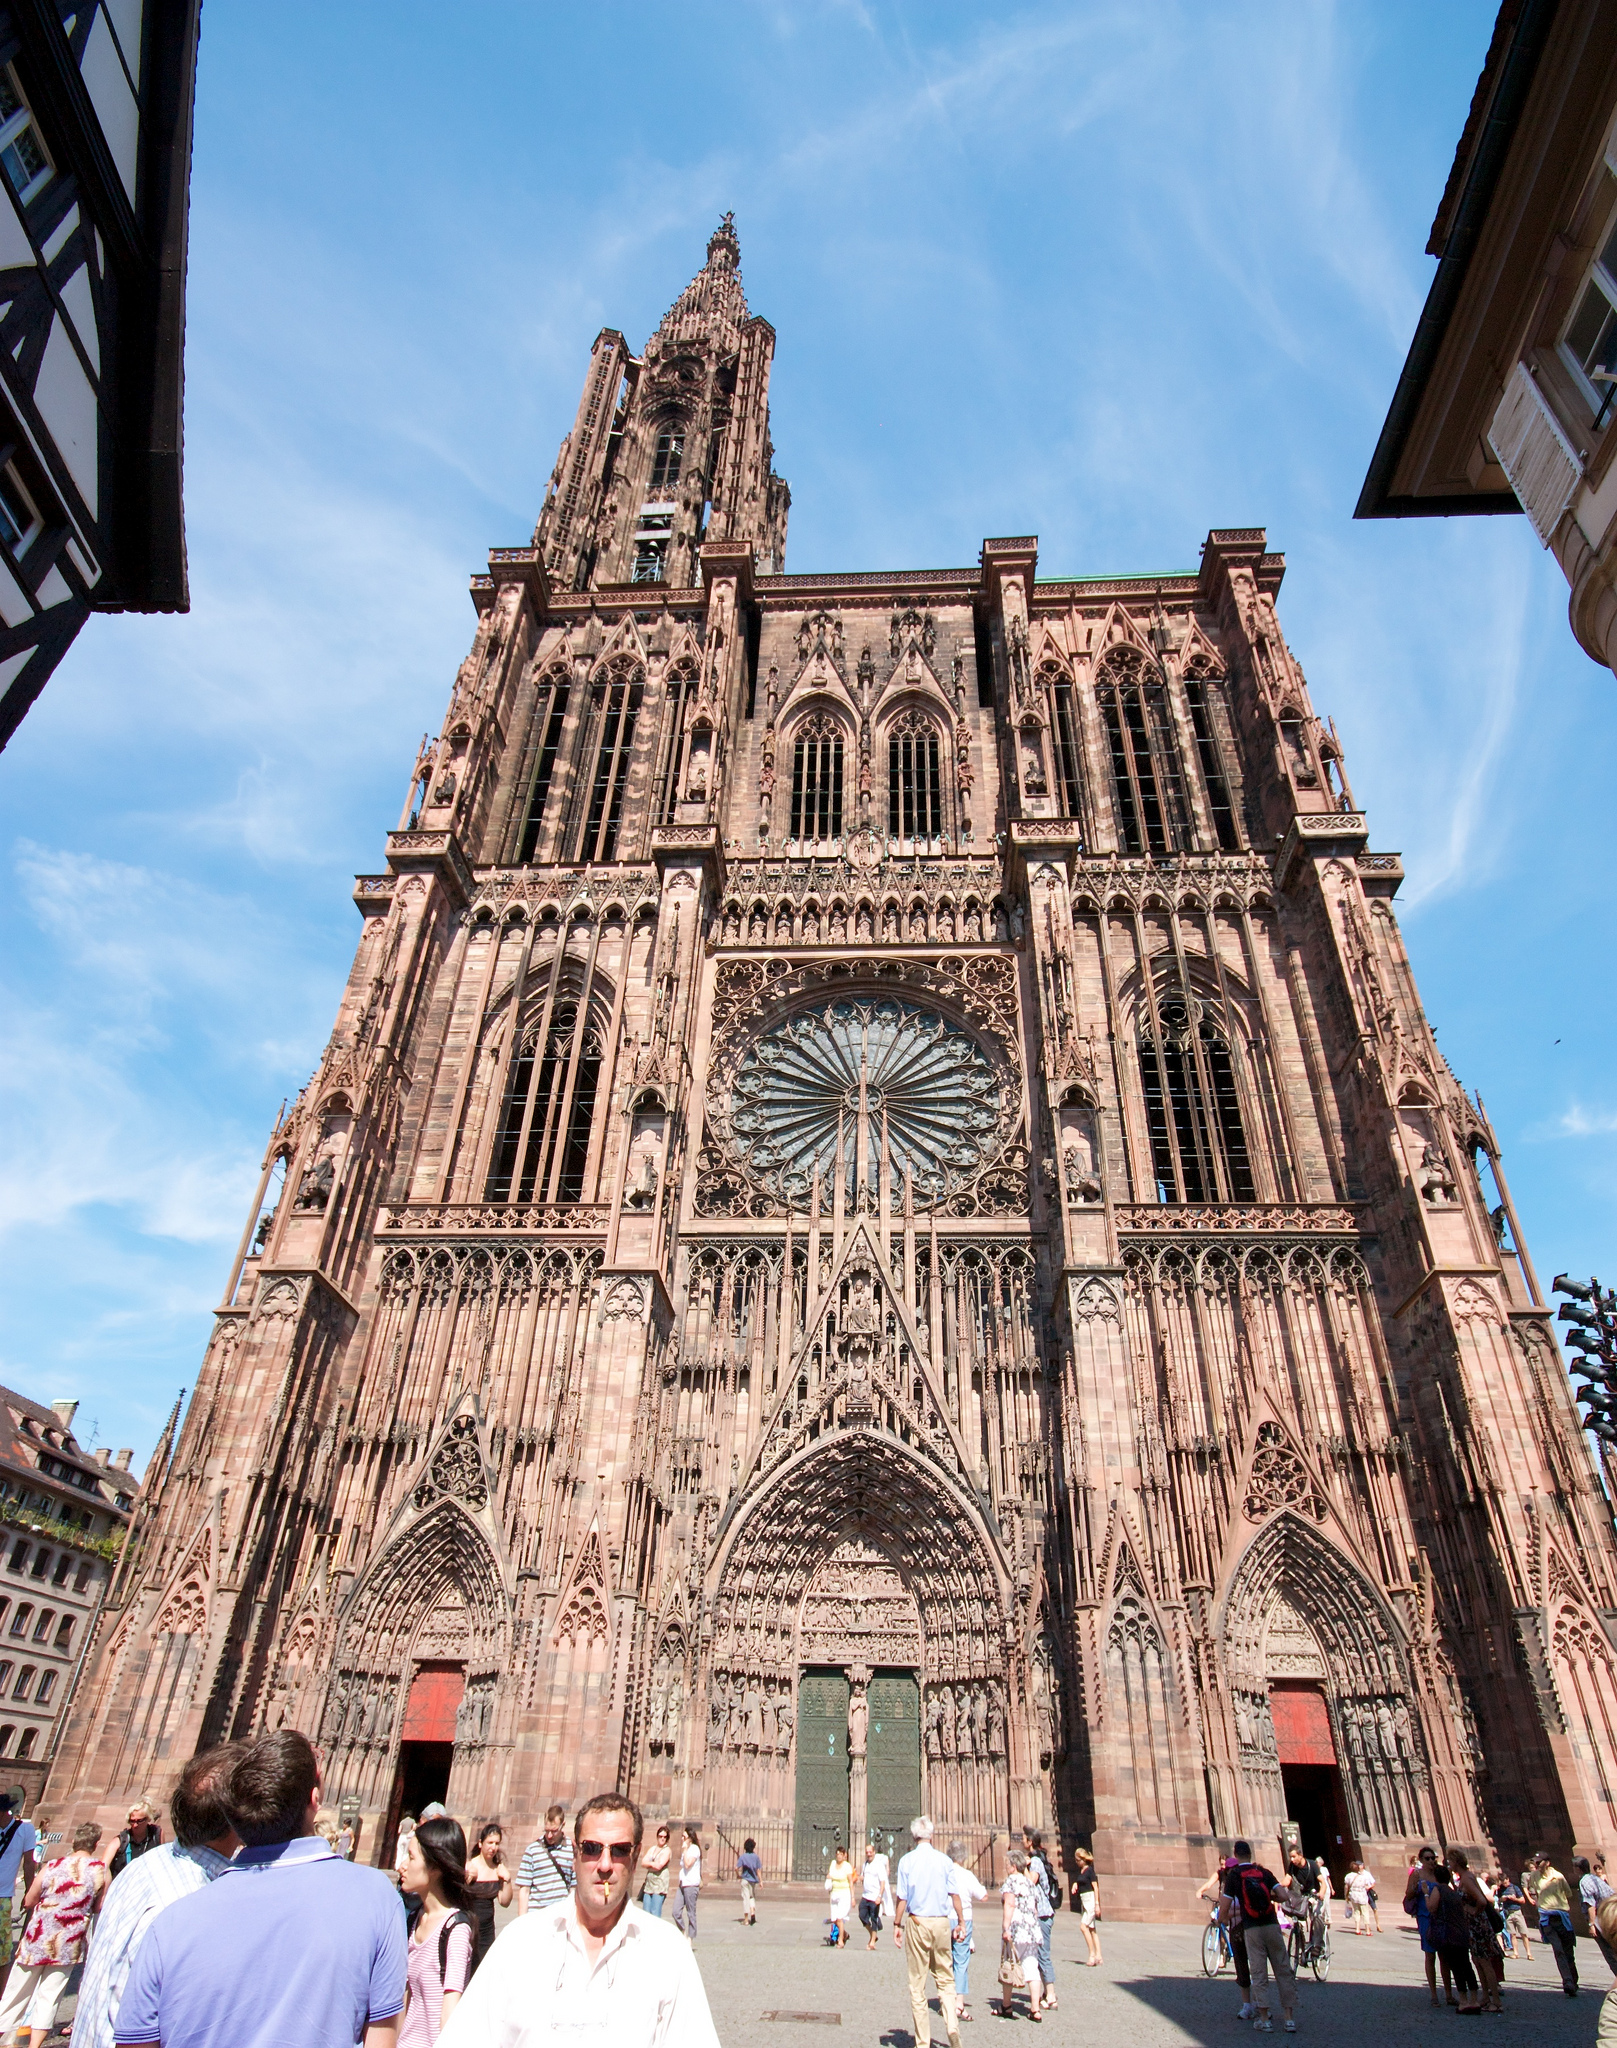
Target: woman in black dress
pixel 488 1882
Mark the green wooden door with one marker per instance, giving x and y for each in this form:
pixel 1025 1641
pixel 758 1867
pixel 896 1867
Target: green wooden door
pixel 822 1773
pixel 893 1761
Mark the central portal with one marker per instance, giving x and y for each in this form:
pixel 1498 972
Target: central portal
pixel 822 1773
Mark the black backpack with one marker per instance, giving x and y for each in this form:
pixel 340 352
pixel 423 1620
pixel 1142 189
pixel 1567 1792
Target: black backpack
pixel 451 1922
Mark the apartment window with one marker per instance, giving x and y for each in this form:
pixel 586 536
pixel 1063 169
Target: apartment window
pixel 666 462
pixel 19 1555
pixel 8 1735
pixel 817 780
pixel 25 1748
pixel 914 785
pixel 81 1578
pixel 42 1560
pixel 47 1685
pixel 20 1620
pixel 22 154
pixel 42 1627
pixel 1591 335
pixel 1193 1113
pixel 25 1680
pixel 543 1143
pixel 550 715
pixel 4 1604
pixel 609 745
pixel 1147 788
pixel 64 1564
pixel 64 1633
pixel 1200 689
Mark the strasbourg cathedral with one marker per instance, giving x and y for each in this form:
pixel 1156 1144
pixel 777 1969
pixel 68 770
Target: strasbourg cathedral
pixel 881 1227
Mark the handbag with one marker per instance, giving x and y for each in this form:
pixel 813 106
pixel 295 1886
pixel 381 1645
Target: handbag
pixel 1010 1970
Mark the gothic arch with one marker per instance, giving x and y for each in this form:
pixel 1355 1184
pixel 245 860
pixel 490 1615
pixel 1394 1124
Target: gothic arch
pixel 1366 1678
pixel 436 1593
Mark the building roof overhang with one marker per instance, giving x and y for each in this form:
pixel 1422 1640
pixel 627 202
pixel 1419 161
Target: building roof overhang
pixel 1537 123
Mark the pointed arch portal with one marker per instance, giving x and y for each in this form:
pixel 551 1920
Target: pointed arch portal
pixel 863 1662
pixel 1326 1723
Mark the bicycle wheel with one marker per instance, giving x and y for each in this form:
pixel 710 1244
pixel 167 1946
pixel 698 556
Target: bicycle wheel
pixel 1213 1951
pixel 1296 1948
pixel 1321 1958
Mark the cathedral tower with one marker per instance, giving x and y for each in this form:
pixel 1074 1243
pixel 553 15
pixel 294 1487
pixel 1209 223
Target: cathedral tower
pixel 881 1225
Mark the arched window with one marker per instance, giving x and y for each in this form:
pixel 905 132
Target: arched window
pixel 608 748
pixel 47 1685
pixel 25 1748
pixel 817 779
pixel 543 1142
pixel 678 691
pixel 914 779
pixel 1069 757
pixel 668 459
pixel 25 1680
pixel 1147 787
pixel 1198 1148
pixel 7 1733
pixel 549 716
pixel 1202 688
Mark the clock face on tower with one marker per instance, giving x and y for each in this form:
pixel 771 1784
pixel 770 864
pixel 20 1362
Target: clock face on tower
pixel 878 1079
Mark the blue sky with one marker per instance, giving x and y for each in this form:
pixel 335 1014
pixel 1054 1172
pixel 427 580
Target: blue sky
pixel 1110 274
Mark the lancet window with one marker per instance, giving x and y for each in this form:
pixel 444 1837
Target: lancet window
pixel 678 691
pixel 1147 786
pixel 542 1145
pixel 549 718
pixel 668 459
pixel 914 779
pixel 608 746
pixel 1193 1111
pixel 817 779
pixel 1069 755
pixel 1202 690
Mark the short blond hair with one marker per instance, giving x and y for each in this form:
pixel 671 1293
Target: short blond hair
pixel 1606 1918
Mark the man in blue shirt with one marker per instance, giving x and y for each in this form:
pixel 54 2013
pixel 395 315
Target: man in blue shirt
pixel 927 1918
pixel 292 1945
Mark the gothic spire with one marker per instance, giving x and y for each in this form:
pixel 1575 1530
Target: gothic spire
pixel 713 305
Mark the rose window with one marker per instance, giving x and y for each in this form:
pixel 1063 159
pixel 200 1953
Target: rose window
pixel 877 1077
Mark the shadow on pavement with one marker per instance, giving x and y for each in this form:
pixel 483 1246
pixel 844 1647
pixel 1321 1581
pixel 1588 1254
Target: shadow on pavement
pixel 1366 2014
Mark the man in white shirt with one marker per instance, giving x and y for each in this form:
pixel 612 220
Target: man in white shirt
pixel 592 1966
pixel 965 1885
pixel 875 1881
pixel 18 1841
pixel 926 1916
pixel 204 1842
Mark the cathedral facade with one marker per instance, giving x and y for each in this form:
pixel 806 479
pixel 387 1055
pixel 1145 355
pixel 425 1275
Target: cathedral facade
pixel 881 1227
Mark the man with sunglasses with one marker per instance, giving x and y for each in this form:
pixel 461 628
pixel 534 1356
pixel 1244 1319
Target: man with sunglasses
pixel 593 1963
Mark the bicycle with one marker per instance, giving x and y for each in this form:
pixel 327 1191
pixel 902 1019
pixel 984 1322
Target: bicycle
pixel 1308 1940
pixel 1216 1949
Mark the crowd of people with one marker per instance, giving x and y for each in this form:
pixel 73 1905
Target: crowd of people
pixel 254 1926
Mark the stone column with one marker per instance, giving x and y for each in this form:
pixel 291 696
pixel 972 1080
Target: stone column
pixel 858 1717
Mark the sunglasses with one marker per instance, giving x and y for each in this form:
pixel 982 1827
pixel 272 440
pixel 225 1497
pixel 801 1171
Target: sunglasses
pixel 620 1852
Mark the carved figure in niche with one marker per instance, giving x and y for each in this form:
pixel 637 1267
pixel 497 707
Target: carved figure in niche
pixel 757 929
pixel 979 1722
pixel 732 924
pixel 946 923
pixel 958 678
pixel 917 925
pixel 864 929
pixel 838 932
pixel 1002 929
pixel 947 1735
pixel 963 775
pixel 811 925
pixel 785 1721
pixel 316 1185
pixel 974 924
pixel 752 1716
pixel 858 1721
pixel 866 673
pixel 1437 1183
pixel 862 1316
pixel 643 1194
pixel 996 1723
pixel 1385 1729
pixel 1403 1731
pixel 934 1725
pixel 889 921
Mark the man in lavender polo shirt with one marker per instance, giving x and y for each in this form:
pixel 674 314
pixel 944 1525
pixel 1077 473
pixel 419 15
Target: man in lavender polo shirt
pixel 291 1947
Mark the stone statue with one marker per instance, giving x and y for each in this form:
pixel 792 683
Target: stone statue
pixel 315 1188
pixel 858 1719
pixel 979 1722
pixel 934 1724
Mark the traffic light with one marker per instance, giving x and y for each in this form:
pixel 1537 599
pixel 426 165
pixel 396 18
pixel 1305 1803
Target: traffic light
pixel 1591 1311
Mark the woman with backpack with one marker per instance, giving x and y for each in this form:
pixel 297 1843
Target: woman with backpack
pixel 440 1952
